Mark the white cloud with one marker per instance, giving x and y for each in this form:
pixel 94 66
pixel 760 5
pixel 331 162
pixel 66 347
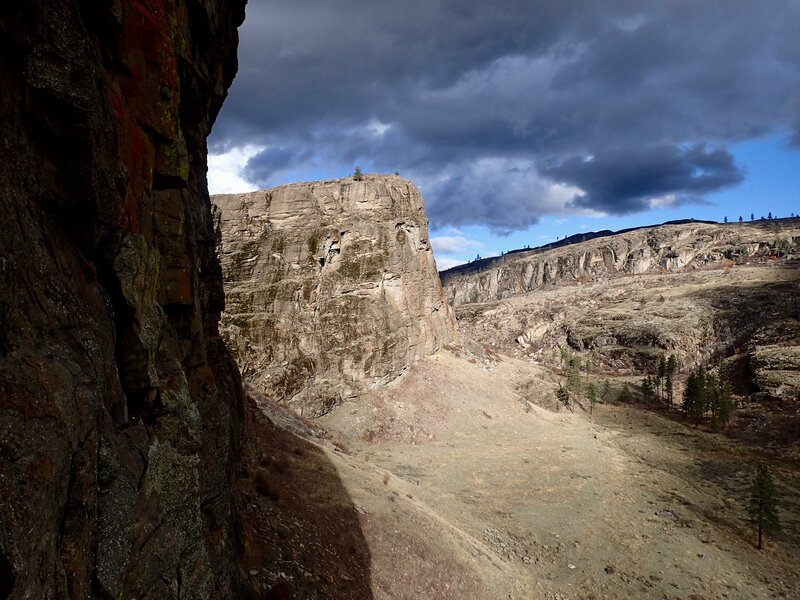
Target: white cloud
pixel 454 231
pixel 453 244
pixel 663 201
pixel 448 263
pixel 225 171
pixel 377 129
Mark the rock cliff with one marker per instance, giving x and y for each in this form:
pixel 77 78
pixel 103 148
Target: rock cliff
pixel 331 287
pixel 663 249
pixel 734 303
pixel 119 403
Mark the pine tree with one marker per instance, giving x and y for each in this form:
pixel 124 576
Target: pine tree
pixel 591 396
pixel 565 356
pixel 694 395
pixel 712 398
pixel 763 506
pixel 672 367
pixel 562 395
pixel 605 395
pixel 648 387
pixel 662 372
pixel 574 383
pixel 358 175
pixel 724 400
pixel 726 404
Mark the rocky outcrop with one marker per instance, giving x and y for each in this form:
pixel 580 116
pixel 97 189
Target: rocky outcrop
pixel 746 317
pixel 118 400
pixel 331 287
pixel 709 294
pixel 663 249
pixel 773 353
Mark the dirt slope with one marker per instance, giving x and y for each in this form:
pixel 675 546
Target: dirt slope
pixel 462 489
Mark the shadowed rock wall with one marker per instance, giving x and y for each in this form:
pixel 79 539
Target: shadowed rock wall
pixel 331 287
pixel 118 400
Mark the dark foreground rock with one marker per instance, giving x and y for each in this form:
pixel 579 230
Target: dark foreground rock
pixel 119 404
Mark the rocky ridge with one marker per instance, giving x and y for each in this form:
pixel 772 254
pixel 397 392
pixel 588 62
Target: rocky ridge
pixel 733 304
pixel 661 249
pixel 746 314
pixel 119 404
pixel 331 287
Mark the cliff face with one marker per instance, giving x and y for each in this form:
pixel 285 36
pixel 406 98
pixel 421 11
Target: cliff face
pixel 664 249
pixel 331 287
pixel 118 400
pixel 710 295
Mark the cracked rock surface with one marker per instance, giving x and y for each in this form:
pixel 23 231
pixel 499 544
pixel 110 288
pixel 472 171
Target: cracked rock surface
pixel 331 287
pixel 118 400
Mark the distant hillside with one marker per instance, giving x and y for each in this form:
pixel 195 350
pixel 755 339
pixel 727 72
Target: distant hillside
pixel 477 265
pixel 671 246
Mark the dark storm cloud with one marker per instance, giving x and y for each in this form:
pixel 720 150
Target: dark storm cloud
pixel 449 90
pixel 795 139
pixel 626 180
pixel 274 160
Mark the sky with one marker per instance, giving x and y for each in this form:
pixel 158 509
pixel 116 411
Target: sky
pixel 524 120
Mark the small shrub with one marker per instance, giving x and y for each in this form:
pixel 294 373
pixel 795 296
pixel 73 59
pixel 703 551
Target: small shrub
pixel 625 395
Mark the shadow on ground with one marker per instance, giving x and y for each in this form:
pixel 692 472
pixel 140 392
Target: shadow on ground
pixel 299 529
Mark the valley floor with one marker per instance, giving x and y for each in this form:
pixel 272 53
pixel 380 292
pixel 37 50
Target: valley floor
pixel 461 489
